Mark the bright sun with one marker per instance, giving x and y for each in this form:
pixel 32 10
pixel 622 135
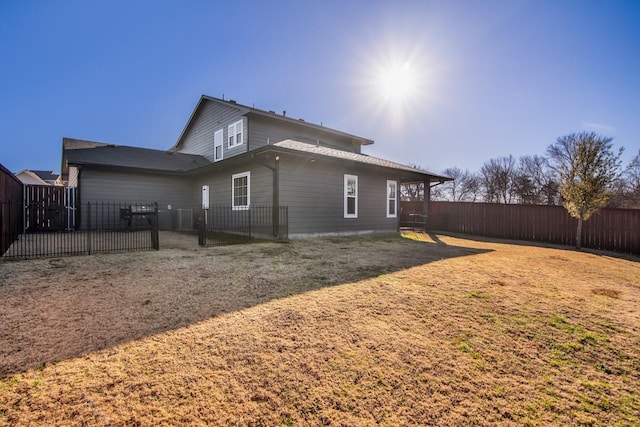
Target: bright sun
pixel 397 82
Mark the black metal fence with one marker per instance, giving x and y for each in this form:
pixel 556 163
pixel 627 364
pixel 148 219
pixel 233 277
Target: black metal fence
pixel 222 225
pixel 106 227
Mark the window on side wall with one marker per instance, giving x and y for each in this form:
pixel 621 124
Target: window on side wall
pixel 350 196
pixel 235 134
pixel 241 191
pixel 392 199
pixel 217 145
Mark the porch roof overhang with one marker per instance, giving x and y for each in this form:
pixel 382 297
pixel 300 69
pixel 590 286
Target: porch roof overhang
pixel 407 173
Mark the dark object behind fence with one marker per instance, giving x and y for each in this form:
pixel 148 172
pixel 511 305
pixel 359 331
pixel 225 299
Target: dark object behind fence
pixel 220 225
pixel 107 227
pixel 609 229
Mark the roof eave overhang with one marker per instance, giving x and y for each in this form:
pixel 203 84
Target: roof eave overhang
pixel 357 139
pixel 102 166
pixel 406 176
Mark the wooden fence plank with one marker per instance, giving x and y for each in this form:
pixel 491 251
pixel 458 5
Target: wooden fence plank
pixel 608 229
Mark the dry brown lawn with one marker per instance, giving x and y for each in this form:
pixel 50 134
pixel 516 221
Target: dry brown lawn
pixel 377 330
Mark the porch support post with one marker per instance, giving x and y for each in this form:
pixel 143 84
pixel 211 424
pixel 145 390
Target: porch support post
pixel 425 205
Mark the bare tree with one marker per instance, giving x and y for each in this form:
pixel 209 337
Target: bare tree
pixel 412 191
pixel 632 178
pixel 497 177
pixel 536 182
pixel 587 167
pixel 627 188
pixel 464 186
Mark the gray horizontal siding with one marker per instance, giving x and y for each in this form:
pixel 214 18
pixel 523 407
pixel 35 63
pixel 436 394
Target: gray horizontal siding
pixel 220 185
pixel 168 190
pixel 314 192
pixel 212 117
pixel 99 185
pixel 262 130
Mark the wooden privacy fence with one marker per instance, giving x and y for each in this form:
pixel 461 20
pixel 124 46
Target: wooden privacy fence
pixel 609 229
pixel 10 208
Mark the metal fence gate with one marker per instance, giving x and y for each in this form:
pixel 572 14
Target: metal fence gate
pixel 222 225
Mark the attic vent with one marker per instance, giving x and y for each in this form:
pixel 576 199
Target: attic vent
pixel 272 112
pixel 233 101
pixel 302 120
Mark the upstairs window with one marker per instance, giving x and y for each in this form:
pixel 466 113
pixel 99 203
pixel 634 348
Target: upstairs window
pixel 392 198
pixel 235 134
pixel 241 191
pixel 217 145
pixel 350 196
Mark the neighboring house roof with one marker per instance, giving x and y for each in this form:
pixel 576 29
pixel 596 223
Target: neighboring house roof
pixel 122 156
pixel 247 111
pixel 74 144
pixel 37 177
pixel 306 148
pixel 47 175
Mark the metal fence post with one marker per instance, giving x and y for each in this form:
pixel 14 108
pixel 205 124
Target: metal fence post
pixel 155 241
pixel 89 228
pixel 202 228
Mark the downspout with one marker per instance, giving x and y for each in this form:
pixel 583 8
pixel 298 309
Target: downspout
pixel 398 203
pixel 275 214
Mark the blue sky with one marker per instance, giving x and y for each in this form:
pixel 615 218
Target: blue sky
pixel 487 78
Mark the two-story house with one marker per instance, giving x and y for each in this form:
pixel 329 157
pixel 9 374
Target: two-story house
pixel 247 157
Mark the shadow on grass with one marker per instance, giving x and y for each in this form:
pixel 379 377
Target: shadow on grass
pixel 61 308
pixel 571 247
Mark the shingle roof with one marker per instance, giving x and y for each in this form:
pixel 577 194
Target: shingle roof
pixel 135 158
pixel 290 144
pixel 46 175
pixel 75 144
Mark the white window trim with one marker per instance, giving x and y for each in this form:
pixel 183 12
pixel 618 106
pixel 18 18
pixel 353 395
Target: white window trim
pixel 346 197
pixel 221 145
pixel 234 135
pixel 233 191
pixel 394 198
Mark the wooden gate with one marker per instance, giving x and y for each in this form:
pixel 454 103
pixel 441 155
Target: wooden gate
pixel 49 208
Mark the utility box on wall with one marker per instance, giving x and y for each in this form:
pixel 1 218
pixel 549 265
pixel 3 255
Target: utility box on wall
pixel 205 197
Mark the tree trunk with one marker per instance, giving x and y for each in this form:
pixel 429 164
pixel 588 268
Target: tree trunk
pixel 579 234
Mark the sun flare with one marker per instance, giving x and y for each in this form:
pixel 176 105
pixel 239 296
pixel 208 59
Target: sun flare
pixel 397 82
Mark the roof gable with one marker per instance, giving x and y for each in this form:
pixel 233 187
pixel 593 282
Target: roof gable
pixel 271 115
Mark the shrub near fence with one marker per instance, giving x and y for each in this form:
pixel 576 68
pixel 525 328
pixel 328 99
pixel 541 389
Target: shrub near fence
pixel 609 229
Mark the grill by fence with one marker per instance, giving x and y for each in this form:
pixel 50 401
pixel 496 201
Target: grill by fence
pixel 107 227
pixel 220 225
pixel 609 229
